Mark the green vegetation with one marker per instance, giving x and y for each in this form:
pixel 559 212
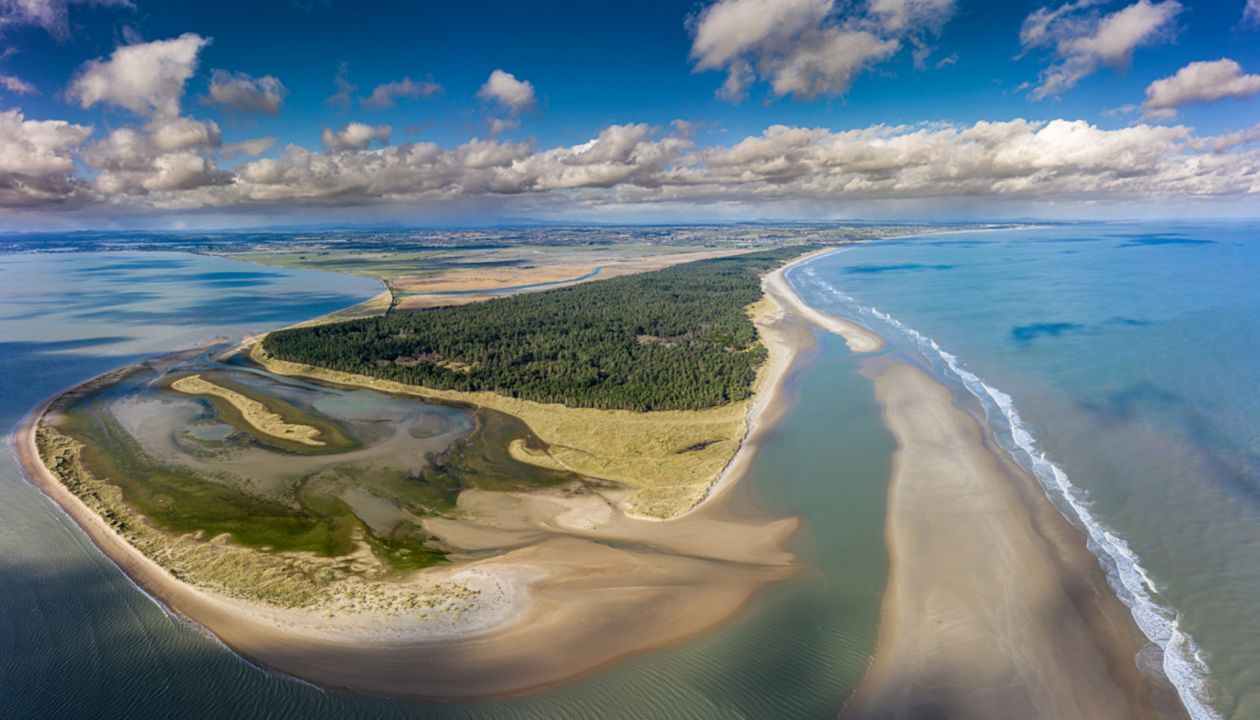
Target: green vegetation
pixel 674 339
pixel 314 515
pixel 177 500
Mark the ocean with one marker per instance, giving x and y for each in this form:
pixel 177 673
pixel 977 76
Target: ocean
pixel 1119 364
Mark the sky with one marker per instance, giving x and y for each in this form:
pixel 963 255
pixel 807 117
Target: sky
pixel 146 114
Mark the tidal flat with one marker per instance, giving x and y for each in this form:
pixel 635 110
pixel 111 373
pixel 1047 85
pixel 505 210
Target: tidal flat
pixel 191 464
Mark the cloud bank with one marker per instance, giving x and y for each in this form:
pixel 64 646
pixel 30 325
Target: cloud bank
pixel 173 167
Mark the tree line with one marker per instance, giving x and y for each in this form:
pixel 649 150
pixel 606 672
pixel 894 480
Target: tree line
pixel 672 339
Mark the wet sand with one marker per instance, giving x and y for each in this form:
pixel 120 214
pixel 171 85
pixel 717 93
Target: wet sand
pixel 859 338
pixel 995 608
pixel 576 585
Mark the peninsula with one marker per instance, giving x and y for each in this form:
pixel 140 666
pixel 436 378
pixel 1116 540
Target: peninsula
pixel 453 502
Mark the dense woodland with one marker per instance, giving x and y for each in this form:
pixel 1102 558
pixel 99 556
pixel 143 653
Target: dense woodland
pixel 672 339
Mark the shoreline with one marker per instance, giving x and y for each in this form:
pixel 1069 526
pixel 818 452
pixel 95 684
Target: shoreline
pixel 995 607
pixel 672 581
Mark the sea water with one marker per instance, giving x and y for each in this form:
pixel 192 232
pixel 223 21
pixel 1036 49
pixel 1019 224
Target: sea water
pixel 78 640
pixel 1121 365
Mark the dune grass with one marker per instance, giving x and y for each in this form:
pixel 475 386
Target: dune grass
pixel 668 458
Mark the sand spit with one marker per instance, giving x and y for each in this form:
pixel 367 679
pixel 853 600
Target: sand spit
pixel 995 608
pixel 859 339
pixel 575 583
pixel 258 415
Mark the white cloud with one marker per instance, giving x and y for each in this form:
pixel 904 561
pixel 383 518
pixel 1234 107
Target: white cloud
pixel 169 155
pixel 51 15
pixel 251 148
pixel 183 171
pixel 498 126
pixel 1251 13
pixel 1199 82
pixel 511 94
pixel 1083 40
pixel 37 160
pixel 147 79
pixel 383 96
pixel 38 147
pixel 808 48
pixel 355 136
pixel 185 133
pixel 1059 161
pixel 16 85
pixel 245 93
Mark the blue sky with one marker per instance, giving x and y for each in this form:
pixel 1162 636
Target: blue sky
pixel 814 65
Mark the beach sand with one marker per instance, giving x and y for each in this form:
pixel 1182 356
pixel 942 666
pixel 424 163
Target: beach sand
pixel 994 608
pixel 576 584
pixel 859 339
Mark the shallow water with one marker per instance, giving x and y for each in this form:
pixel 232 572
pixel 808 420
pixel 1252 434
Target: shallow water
pixel 83 642
pixel 1118 363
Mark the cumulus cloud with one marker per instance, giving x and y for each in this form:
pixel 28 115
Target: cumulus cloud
pixel 1199 82
pixel 250 148
pixel 355 136
pixel 51 15
pixel 147 79
pixel 245 93
pixel 1083 40
pixel 384 96
pixel 38 147
pixel 1029 161
pixel 168 155
pixel 505 90
pixel 37 160
pixel 808 48
pixel 16 85
pixel 498 126
pixel 185 133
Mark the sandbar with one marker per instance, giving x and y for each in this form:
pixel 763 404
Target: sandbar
pixel 258 415
pixel 860 339
pixel 994 608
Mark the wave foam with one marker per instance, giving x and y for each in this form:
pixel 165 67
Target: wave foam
pixel 1183 662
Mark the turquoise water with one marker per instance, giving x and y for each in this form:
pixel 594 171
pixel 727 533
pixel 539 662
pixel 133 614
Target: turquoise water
pixel 79 641
pixel 1121 364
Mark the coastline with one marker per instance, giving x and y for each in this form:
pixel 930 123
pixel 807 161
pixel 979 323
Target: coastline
pixel 671 580
pixel 995 607
pixel 859 338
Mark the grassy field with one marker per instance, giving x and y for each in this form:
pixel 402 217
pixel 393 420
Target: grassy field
pixel 669 458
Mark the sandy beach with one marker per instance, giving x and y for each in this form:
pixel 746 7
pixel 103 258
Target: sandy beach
pixel 576 584
pixel 859 338
pixel 995 609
